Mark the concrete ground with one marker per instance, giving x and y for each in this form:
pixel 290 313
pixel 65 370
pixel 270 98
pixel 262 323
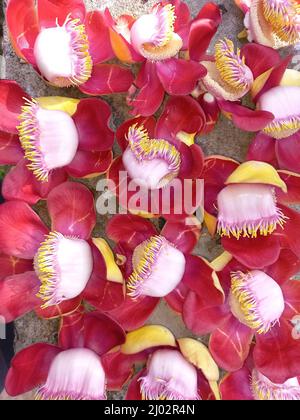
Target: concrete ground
pixel 225 140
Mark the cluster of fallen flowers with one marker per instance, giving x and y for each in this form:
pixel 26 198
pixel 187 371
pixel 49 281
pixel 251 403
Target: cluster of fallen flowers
pixel 247 299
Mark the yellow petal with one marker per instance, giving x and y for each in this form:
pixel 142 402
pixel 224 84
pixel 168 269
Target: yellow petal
pixel 143 214
pixel 186 138
pixel 243 34
pixel 147 337
pixel 290 78
pixel 211 223
pixel 254 172
pixel 215 389
pixel 221 261
pixel 198 354
pixel 59 103
pixel 260 82
pixel 114 273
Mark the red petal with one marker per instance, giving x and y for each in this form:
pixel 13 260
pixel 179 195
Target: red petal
pixel 201 34
pixel 211 112
pixel 287 265
pixel 11 101
pixel 52 11
pixel 102 294
pixel 291 293
pixel 292 229
pixel 23 27
pixel 277 354
pixel 21 230
pixel 230 344
pixel 57 311
pixel 89 164
pixel 260 58
pixel 292 181
pixel 200 317
pixel 177 297
pixel 18 295
pixel 12 265
pixel 72 211
pixel 182 22
pixel 134 388
pixel 92 120
pixel 10 149
pixel 198 277
pixel 210 11
pixel 185 236
pixel 133 314
pixel 107 79
pixel 149 124
pixel 179 77
pixel 98 35
pixel 246 119
pixel 262 149
pixel 147 93
pixel 130 229
pixel 71 330
pixel 236 386
pixel 29 368
pixel 118 368
pixel 21 184
pixel 254 253
pixel 180 114
pixel 288 154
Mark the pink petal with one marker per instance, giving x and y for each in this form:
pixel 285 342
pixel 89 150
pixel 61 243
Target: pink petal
pixel 72 211
pixel 98 35
pixel 202 31
pixel 50 11
pixel 177 297
pixel 262 149
pixel 288 154
pixel 10 149
pixel 12 265
pixel 291 229
pixel 57 311
pixel 11 101
pixel 134 388
pixel 292 180
pixel 260 58
pixel 92 120
pixel 118 368
pixel 183 235
pixel 291 293
pixel 21 230
pixel 236 386
pixel 89 164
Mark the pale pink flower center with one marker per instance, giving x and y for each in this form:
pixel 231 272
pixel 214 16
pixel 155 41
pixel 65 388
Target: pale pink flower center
pixel 75 374
pixel 256 300
pixel 64 266
pixel 169 376
pixel 264 389
pixel 49 139
pixel 248 209
pixel 158 268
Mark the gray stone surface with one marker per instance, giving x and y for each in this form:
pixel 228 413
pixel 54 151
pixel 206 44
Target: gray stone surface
pixel 225 140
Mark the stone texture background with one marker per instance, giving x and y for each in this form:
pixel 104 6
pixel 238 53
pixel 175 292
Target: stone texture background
pixel 225 140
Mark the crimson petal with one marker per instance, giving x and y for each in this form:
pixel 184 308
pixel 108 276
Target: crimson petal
pixel 236 386
pixel 259 58
pixel 10 149
pixel 98 35
pixel 262 149
pixel 11 102
pixel 89 164
pixel 201 34
pixel 66 307
pixel 148 123
pixel 291 293
pixel 183 235
pixel 288 154
pixel 12 265
pixel 134 388
pixel 52 11
pixel 292 181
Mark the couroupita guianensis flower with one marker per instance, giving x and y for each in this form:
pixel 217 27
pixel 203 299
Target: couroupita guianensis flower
pixel 50 138
pixel 170 44
pixel 181 369
pixel 66 45
pixel 247 205
pixel 78 368
pixel 160 162
pixel 50 270
pixel 273 23
pixel 155 264
pixel 250 305
pixel 249 384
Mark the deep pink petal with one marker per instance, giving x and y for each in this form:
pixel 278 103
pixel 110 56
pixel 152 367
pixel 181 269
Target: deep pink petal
pixel 211 112
pixel 286 266
pixel 10 149
pixel 276 354
pixel 11 102
pixel 148 123
pixel 18 295
pixel 21 230
pixel 179 77
pixel 102 294
pixel 236 386
pixel 291 293
pixel 260 58
pixel 147 93
pixel 107 79
pixel 89 164
pixel 30 368
pixel 23 27
pixel 66 307
pixel 202 31
pixel 230 344
pixel 50 11
pixel 21 184
pixel 177 297
pixel 292 181
pixel 262 149
pixel 255 253
pixel 12 265
pixel 183 235
pixel 92 120
pixel 246 119
pixel 288 153
pixel 72 211
pixel 130 229
pixel 98 35
pixel 134 388
pixel 118 368
pixel 292 229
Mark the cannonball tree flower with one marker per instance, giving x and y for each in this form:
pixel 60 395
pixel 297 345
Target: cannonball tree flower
pixel 160 163
pixel 274 23
pixel 155 264
pixel 181 369
pixel 248 305
pixel 50 270
pixel 78 368
pixel 246 204
pixel 169 43
pixel 249 383
pixel 48 139
pixel 66 45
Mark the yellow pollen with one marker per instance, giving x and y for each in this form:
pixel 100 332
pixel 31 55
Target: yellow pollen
pixel 167 17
